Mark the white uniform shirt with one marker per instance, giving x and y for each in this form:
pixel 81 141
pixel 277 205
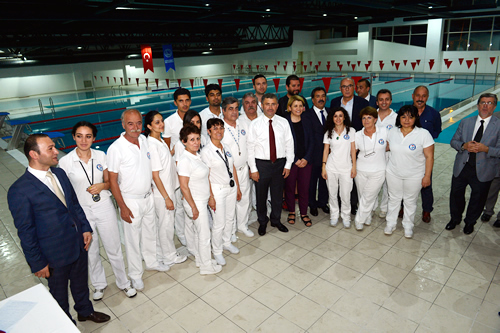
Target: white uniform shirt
pixel 348 106
pixel 235 139
pixel 259 109
pixel 42 176
pixel 244 119
pixel 258 141
pixel 389 121
pixel 180 148
pixel 371 157
pixel 218 171
pixel 339 160
pixel 133 165
pixel 318 114
pixel 71 165
pixel 162 161
pixel 192 166
pixel 173 125
pixel 407 158
pixel 206 114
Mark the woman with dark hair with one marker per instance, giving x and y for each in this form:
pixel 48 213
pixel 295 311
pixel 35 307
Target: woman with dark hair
pixel 88 172
pixel 165 182
pixel 339 163
pixel 409 167
pixel 371 142
pixel 195 186
pixel 300 173
pixel 191 117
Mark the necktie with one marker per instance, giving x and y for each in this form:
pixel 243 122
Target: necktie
pixel 57 190
pixel 322 117
pixel 477 138
pixel 272 142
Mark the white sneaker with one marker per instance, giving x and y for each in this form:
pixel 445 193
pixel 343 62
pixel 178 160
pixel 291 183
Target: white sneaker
pixel 161 267
pixel 214 262
pixel 347 224
pixel 388 230
pixel 231 248
pixel 333 222
pixel 98 294
pixel 249 233
pixel 130 292
pixel 212 269
pixel 138 284
pixel 234 238
pixel 180 258
pixel 382 214
pixel 359 226
pixel 368 220
pixel 408 233
pixel 220 259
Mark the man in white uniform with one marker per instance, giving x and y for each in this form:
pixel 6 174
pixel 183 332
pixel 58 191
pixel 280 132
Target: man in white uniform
pixel 213 93
pixel 130 178
pixel 235 139
pixel 251 110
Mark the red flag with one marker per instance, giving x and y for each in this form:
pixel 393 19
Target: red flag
pixel 328 67
pixel 257 67
pixel 301 83
pixel 294 62
pixel 405 62
pixel 359 63
pixel 316 66
pixel 95 76
pixel 353 67
pixel 448 64
pixel 234 67
pixel 475 61
pixel 114 78
pixel 392 62
pixel 278 63
pixel 276 83
pixel 338 63
pixel 445 61
pixel 275 68
pixel 205 81
pixel 266 67
pixel 294 67
pixel 381 64
pixel 469 63
pixel 179 82
pixel 128 80
pixel 340 67
pixel 121 80
pixel 156 81
pixel 413 64
pixel 326 82
pixel 492 59
pixel 348 63
pixel 319 63
pixel 356 79
pixel 146 82
pixel 369 62
pixel 305 68
pixel 431 63
pixel 328 62
pixel 168 83
pixel 137 80
pixel 237 83
pixel 310 63
pixel 192 83
pixel 302 63
pixel 418 62
pixel 460 60
pixel 241 67
pixel 397 65
pixel 147 58
pixel 107 78
pixel 101 78
pixel 220 82
pixel 284 67
pixel 249 66
pixel 286 63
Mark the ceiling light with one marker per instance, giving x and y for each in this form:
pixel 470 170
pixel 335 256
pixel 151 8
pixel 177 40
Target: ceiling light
pixel 430 7
pixel 265 43
pixel 210 49
pixel 124 8
pixel 268 9
pixel 325 14
pixel 468 45
pixel 355 17
pixel 207 5
pixel 134 56
pixel 79 48
pixel 206 52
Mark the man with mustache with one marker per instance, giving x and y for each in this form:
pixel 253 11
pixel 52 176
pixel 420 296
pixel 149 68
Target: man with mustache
pixel 292 88
pixel 130 177
pixel 363 90
pixel 259 82
pixel 213 93
pixel 251 111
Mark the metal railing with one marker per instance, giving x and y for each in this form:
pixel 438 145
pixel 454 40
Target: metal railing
pixel 41 106
pixel 52 109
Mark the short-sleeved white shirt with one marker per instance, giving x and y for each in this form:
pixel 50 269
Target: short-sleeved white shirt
pixel 244 119
pixel 192 166
pixel 339 160
pixel 133 165
pixel 374 147
pixel 180 148
pixel 212 157
pixel 407 158
pixel 162 161
pixel 71 165
pixel 389 121
pixel 173 125
pixel 205 115
pixel 235 139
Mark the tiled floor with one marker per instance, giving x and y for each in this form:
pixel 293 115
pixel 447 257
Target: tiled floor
pixel 318 279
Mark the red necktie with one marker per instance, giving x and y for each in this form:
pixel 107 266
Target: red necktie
pixel 272 142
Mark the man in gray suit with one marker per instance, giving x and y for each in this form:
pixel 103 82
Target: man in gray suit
pixel 477 141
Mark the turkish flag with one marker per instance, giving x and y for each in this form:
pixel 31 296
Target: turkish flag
pixel 326 82
pixel 205 81
pixel 147 58
pixel 237 83
pixel 276 83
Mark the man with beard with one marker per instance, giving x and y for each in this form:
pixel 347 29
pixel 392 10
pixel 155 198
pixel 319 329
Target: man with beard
pixel 213 93
pixel 260 86
pixel 292 88
pixel 363 90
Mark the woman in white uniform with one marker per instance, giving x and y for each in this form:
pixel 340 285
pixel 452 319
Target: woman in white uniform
pixel 371 142
pixel 193 179
pixel 339 163
pixel 409 167
pixel 88 172
pixel 165 182
pixel 224 190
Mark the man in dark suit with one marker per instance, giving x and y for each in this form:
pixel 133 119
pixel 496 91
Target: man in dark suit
pixel 363 89
pixel 317 115
pixel 292 88
pixel 54 232
pixel 477 141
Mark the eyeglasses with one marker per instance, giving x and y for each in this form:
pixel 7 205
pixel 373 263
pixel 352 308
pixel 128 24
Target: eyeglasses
pixel 347 87
pixel 487 103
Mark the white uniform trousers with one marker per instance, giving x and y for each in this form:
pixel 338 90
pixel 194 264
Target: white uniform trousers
pixel 385 193
pixel 140 236
pixel 368 185
pixel 165 220
pixel 180 216
pixel 198 234
pixel 102 218
pixel 344 181
pixel 223 216
pixel 406 189
pixel 243 206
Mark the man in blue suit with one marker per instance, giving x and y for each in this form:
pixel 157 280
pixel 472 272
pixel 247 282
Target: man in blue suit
pixel 54 232
pixel 477 141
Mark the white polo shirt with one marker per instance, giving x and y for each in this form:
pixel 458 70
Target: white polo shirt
pixel 206 114
pixel 162 161
pixel 407 158
pixel 213 158
pixel 339 160
pixel 235 139
pixel 389 121
pixel 71 165
pixel 180 148
pixel 192 166
pixel 173 125
pixel 371 157
pixel 133 165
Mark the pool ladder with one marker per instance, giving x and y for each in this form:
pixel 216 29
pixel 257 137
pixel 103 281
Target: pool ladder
pixel 52 108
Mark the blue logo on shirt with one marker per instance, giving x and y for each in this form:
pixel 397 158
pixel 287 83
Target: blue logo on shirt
pixel 389 127
pixel 99 167
pixel 412 146
pixel 228 154
pixel 346 137
pixel 149 156
pixel 243 132
pixel 381 141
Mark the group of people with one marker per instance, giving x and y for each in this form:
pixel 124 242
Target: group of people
pixel 198 175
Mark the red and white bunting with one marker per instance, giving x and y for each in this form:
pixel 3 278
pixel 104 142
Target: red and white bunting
pixel 301 83
pixel 191 81
pixel 326 82
pixel 237 84
pixel 276 84
pixel 205 82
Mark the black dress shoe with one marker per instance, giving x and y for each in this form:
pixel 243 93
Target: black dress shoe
pixel 450 226
pixel 313 211
pixel 326 209
pixel 468 229
pixel 485 217
pixel 96 317
pixel 497 224
pixel 280 227
pixel 262 229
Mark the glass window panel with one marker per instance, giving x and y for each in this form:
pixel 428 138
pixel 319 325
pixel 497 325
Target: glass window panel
pixel 385 38
pixel 402 39
pixel 445 42
pixel 419 29
pixel 495 41
pixel 496 23
pixel 481 24
pixel 461 25
pixel 419 40
pixel 386 31
pixel 374 33
pixel 352 31
pixel 402 30
pixel 479 41
pixel 325 34
pixel 446 25
pixel 458 42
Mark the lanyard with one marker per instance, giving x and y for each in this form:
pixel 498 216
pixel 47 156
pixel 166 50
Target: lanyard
pixel 86 174
pixel 374 143
pixel 226 162
pixel 234 138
